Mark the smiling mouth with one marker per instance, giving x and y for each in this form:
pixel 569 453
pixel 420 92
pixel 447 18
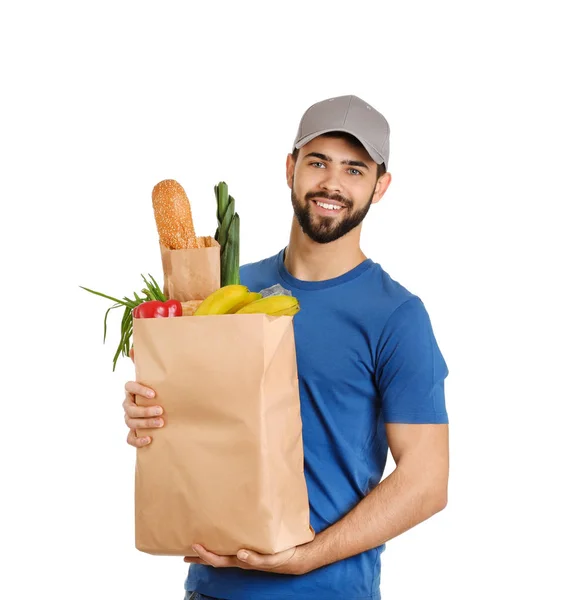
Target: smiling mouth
pixel 327 205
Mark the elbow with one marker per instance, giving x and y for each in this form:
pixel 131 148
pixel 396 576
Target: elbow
pixel 441 501
pixel 439 488
pixel 437 497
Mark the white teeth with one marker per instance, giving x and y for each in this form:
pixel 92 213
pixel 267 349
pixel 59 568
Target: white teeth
pixel 328 206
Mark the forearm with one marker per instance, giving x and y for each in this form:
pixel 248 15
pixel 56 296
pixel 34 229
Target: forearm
pixel 398 503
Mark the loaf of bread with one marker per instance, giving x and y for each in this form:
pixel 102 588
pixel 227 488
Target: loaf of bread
pixel 173 216
pixel 206 241
pixel 189 307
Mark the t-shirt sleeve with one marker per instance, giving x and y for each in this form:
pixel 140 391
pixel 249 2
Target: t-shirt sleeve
pixel 410 369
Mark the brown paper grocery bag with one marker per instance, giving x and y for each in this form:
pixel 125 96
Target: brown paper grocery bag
pixel 227 469
pixel 191 274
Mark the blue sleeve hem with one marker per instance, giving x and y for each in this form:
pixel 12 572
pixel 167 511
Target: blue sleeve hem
pixel 438 419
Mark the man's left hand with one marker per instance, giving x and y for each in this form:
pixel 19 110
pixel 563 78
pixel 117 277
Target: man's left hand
pixel 289 562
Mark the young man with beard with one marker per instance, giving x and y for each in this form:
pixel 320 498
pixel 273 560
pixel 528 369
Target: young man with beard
pixel 371 378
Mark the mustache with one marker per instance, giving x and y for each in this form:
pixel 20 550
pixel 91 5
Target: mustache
pixel 337 197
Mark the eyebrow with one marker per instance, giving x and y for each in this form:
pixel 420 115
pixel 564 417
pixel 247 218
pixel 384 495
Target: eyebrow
pixel 352 163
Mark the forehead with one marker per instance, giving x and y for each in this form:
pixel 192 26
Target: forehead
pixel 337 149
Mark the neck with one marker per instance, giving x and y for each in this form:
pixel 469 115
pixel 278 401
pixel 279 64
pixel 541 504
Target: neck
pixel 309 261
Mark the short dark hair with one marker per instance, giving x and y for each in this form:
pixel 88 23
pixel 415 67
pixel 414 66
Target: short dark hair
pixel 348 137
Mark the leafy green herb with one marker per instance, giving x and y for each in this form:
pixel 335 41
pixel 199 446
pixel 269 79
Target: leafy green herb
pixel 152 291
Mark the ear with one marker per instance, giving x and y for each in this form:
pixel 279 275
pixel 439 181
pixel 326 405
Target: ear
pixel 381 186
pixel 290 165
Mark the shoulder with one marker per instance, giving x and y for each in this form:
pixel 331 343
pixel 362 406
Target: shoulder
pixel 395 311
pixel 385 295
pixel 255 274
pixel 259 265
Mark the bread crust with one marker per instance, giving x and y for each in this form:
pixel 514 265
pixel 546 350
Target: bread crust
pixel 173 216
pixel 189 307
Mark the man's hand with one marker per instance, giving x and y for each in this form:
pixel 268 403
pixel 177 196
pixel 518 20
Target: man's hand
pixel 140 417
pixel 294 561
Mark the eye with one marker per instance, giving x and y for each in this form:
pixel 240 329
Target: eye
pixel 317 163
pixel 355 171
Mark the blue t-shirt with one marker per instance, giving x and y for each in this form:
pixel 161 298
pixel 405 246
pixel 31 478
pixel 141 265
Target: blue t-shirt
pixel 366 356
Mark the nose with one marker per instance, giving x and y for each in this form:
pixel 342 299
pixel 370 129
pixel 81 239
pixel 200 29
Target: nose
pixel 330 182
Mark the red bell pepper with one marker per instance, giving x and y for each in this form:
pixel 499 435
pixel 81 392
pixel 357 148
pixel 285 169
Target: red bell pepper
pixel 156 308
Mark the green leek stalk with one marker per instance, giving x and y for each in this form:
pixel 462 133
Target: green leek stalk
pixel 227 235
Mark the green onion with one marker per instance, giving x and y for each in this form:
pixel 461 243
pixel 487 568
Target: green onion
pixel 152 291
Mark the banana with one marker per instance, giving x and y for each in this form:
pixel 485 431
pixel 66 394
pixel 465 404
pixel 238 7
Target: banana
pixel 280 305
pixel 286 312
pixel 221 301
pixel 250 297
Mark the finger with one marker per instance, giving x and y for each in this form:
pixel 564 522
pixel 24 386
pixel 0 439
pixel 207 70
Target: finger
pixel 255 560
pixel 137 442
pixel 133 411
pixel 214 559
pixel 137 389
pixel 195 559
pixel 266 561
pixel 143 423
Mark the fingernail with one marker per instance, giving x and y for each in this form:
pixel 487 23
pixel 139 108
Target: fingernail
pixel 243 555
pixel 145 440
pixel 158 423
pixel 150 394
pixel 158 410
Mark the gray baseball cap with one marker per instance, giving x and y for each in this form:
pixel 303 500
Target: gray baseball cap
pixel 352 115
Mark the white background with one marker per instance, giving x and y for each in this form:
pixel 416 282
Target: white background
pixel 100 101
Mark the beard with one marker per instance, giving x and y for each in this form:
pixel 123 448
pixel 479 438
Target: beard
pixel 324 230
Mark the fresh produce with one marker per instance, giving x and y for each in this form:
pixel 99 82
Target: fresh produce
pixel 279 305
pixel 227 235
pixel 158 308
pixel 250 297
pixel 152 291
pixel 222 300
pixel 176 232
pixel 237 299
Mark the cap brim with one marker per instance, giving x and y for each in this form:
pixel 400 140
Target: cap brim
pixel 371 151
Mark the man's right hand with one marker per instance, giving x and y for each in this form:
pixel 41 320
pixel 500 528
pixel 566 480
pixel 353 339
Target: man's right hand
pixel 140 417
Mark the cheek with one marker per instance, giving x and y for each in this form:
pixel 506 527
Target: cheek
pixel 307 178
pixel 364 190
pixel 301 187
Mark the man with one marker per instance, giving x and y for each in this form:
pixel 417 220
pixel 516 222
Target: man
pixel 371 377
